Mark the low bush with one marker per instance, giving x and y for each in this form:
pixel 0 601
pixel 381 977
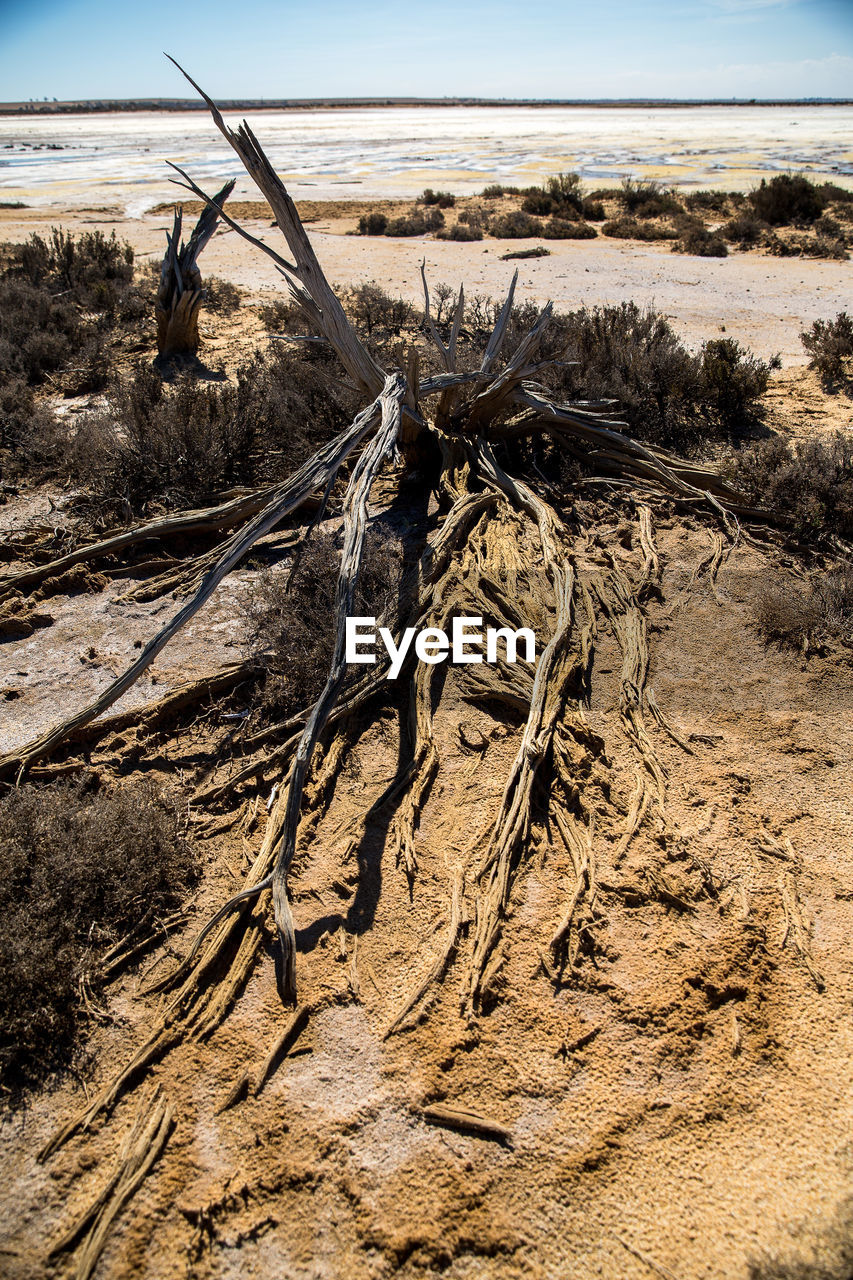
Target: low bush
pixel 593 210
pixel 221 297
pixel 516 225
pixel 798 615
pixel 810 483
pixel 416 223
pixel 460 231
pixel 716 202
pixel 558 229
pixel 745 230
pixel 561 197
pixel 497 190
pixel 443 199
pixel 667 395
pixel 63 304
pixel 787 200
pixel 701 243
pixel 79 871
pixel 372 224
pixel 375 312
pixel 288 616
pixel 648 199
pixel 180 444
pixel 732 384
pixel 631 229
pixel 830 347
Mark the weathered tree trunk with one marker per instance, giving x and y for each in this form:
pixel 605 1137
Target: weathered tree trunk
pixel 180 294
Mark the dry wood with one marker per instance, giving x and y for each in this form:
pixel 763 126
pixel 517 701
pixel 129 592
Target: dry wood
pixel 180 295
pixel 439 966
pixel 466 1122
pixel 143 1145
pixel 795 927
pixel 296 1024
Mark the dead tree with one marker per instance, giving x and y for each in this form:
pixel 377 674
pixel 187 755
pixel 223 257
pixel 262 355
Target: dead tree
pixel 180 295
pixel 460 421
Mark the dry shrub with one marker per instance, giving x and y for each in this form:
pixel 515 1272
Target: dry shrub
pixel 559 229
pixel 811 483
pixel 180 444
pixel 666 394
pixel 62 303
pixel 630 229
pixel 697 240
pixel 830 347
pixel 221 297
pixel 79 871
pixel 515 225
pixel 649 199
pixel 291 615
pixel 821 609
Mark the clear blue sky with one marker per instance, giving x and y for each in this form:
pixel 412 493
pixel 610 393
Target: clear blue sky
pixel 482 48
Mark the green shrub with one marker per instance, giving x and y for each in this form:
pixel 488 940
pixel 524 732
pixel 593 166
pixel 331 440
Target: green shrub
pixel 416 224
pixel 372 224
pixel 496 191
pixel 561 197
pixel 593 210
pixel 830 347
pixel 666 394
pixel 374 312
pixel 744 230
pixel 787 200
pixel 79 871
pixel 716 202
pixel 733 382
pixel 443 199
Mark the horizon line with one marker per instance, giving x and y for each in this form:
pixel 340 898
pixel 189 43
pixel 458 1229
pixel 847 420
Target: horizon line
pixel 36 106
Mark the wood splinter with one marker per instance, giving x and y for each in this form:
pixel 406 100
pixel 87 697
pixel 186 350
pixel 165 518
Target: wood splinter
pixel 466 1122
pixel 294 1028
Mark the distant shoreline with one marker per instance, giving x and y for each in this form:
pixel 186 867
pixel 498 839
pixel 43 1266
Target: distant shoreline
pixel 168 105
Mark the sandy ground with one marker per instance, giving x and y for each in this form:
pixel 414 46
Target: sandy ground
pixel 763 301
pixel 680 1103
pixel 684 1094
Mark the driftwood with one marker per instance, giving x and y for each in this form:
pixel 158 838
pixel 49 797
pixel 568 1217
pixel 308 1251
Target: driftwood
pixel 459 420
pixel 466 1122
pixel 180 295
pixel 139 1151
